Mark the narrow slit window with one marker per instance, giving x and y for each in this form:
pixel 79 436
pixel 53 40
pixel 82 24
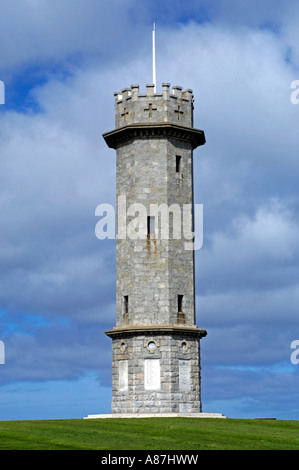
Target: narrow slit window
pixel 178 160
pixel 180 303
pixel 126 304
pixel 150 225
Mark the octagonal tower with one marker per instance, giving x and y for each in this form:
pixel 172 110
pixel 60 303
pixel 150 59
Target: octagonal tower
pixel 155 343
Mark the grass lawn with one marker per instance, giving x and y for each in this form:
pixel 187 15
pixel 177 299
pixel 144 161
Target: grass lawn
pixel 150 434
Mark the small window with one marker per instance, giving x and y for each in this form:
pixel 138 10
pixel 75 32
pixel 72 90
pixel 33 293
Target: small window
pixel 180 303
pixel 178 160
pixel 126 304
pixel 150 225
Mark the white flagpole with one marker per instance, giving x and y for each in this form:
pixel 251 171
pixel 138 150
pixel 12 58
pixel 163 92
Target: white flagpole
pixel 154 59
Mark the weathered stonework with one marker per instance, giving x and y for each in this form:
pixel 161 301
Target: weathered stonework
pixel 155 343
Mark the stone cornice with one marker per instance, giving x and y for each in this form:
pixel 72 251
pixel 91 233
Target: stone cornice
pixel 146 131
pixel 155 329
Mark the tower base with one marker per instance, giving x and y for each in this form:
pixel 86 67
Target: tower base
pixel 156 369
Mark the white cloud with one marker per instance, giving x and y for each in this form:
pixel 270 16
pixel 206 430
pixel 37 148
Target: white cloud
pixel 268 237
pixel 38 31
pixel 250 273
pixel 55 171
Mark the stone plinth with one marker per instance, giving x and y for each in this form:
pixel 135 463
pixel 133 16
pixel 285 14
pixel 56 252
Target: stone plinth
pixel 156 415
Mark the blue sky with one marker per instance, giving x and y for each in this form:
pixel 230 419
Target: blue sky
pixel 61 61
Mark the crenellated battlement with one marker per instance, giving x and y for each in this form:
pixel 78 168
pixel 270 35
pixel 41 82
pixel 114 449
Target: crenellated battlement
pixel 174 106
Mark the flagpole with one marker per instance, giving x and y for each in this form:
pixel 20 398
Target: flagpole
pixel 154 58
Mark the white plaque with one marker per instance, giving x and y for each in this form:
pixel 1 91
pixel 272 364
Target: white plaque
pixel 184 375
pixel 123 376
pixel 151 374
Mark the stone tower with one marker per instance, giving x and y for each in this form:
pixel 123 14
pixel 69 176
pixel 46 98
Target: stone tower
pixel 155 343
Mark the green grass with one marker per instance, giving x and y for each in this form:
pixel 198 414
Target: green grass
pixel 150 434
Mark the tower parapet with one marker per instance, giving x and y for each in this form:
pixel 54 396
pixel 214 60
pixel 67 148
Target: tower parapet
pixel 173 106
pixel 166 114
